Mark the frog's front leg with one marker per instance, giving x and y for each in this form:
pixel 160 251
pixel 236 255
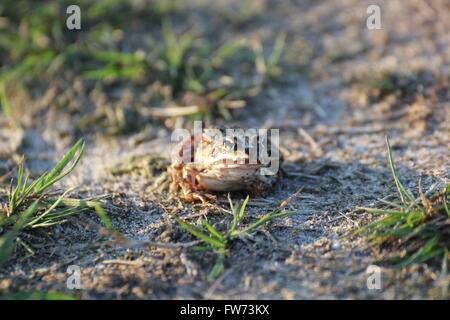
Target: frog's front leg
pixel 185 179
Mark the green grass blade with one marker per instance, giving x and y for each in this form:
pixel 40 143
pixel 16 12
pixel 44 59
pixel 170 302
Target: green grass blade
pixel 242 211
pixel 430 255
pixel 48 224
pixel 219 265
pixel 46 212
pixel 7 240
pixel 229 48
pixel 57 214
pixel 396 205
pixel 393 233
pixel 424 251
pixel 57 173
pixel 280 42
pixel 71 202
pixel 382 223
pixel 382 211
pixel 401 189
pixel 38 296
pixel 234 211
pixel 13 204
pixel 103 216
pixel 445 200
pixel 199 234
pixel 32 186
pixel 213 230
pixel 262 221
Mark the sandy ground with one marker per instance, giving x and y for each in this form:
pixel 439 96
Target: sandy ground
pixel 332 121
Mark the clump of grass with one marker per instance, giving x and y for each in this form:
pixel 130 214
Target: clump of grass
pixel 418 226
pixel 190 61
pixel 117 65
pixel 174 55
pixel 24 191
pixel 270 67
pixel 219 242
pixel 205 70
pixel 32 205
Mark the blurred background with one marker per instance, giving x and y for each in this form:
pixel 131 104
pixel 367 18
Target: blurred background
pixel 142 63
pixel 132 58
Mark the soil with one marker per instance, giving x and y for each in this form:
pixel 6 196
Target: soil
pixel 333 120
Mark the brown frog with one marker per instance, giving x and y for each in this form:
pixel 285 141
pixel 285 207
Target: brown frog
pixel 220 163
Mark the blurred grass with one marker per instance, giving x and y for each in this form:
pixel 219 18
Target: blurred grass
pixel 38 296
pixel 137 42
pixel 34 37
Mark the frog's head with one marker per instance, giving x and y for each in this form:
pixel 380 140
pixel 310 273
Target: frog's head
pixel 218 149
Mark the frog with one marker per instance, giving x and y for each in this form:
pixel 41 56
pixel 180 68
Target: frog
pixel 219 165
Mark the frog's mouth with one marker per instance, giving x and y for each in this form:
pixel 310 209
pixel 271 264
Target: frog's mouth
pixel 228 177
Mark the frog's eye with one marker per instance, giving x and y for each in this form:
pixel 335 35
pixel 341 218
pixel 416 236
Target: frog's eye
pixel 230 145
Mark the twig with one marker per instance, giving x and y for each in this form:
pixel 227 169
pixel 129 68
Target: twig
pixel 285 202
pixel 174 111
pixel 317 150
pixel 356 130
